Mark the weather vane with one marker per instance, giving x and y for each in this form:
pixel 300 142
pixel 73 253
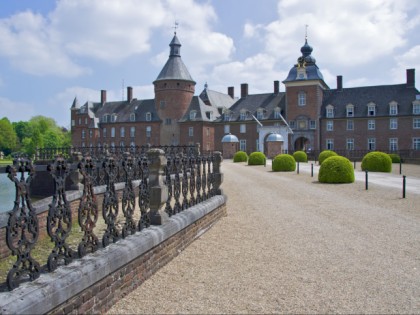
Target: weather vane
pixel 175 26
pixel 306 31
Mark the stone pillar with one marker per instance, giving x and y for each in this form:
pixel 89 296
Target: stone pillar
pixel 74 180
pixel 218 175
pixel 158 190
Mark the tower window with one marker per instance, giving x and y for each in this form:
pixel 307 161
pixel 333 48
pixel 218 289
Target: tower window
pixel 302 98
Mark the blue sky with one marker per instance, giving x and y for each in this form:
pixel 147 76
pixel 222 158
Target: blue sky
pixel 54 51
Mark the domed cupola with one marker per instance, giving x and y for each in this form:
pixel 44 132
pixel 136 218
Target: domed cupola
pixel 306 51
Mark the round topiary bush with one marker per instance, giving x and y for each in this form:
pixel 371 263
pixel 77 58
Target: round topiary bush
pixel 336 169
pixel 240 156
pixel 300 156
pixel 324 155
pixel 256 158
pixel 283 163
pixel 395 158
pixel 377 162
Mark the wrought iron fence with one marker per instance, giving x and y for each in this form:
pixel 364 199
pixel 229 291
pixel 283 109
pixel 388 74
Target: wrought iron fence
pixel 188 177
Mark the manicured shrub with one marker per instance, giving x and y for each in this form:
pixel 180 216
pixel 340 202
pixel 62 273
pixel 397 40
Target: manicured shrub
pixel 395 158
pixel 240 156
pixel 256 158
pixel 336 169
pixel 324 155
pixel 377 162
pixel 283 163
pixel 300 156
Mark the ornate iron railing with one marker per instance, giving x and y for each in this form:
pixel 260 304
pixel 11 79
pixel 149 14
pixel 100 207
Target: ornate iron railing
pixel 186 176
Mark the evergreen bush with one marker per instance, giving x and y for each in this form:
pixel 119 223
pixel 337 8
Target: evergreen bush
pixel 240 156
pixel 256 158
pixel 300 156
pixel 377 162
pixel 324 155
pixel 336 169
pixel 395 158
pixel 284 163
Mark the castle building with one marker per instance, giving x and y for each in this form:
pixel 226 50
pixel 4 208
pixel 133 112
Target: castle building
pixel 309 115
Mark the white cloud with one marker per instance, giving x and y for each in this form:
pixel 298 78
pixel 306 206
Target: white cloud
pixel 408 60
pixel 16 111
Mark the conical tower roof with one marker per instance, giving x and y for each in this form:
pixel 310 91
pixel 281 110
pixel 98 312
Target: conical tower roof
pixel 174 68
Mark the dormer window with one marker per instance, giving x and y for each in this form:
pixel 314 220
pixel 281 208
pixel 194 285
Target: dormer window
pixel 132 117
pixel 260 114
pixel 193 114
pixel 371 109
pixel 302 98
pixel 277 114
pixel 148 116
pixel 226 116
pixel 393 109
pixel 105 118
pixel 330 111
pixel 113 117
pixel 416 108
pixel 350 110
pixel 209 115
pixel 242 115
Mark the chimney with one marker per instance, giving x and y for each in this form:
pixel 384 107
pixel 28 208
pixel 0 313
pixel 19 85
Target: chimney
pixel 231 91
pixel 103 97
pixel 244 90
pixel 339 83
pixel 411 77
pixel 276 87
pixel 129 94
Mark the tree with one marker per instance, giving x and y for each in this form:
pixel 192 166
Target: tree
pixel 8 138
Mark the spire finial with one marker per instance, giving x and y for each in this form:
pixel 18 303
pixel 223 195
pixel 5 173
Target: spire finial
pixel 176 24
pixel 306 32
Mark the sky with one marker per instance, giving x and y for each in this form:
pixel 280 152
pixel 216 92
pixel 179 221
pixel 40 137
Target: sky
pixel 52 51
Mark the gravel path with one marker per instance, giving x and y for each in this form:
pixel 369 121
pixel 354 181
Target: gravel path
pixel 292 245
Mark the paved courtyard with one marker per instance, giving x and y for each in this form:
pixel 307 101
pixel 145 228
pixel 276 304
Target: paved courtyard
pixel 292 245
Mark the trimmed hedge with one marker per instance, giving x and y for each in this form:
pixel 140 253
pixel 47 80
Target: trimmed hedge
pixel 283 163
pixel 240 156
pixel 395 158
pixel 336 169
pixel 256 158
pixel 377 162
pixel 300 156
pixel 324 155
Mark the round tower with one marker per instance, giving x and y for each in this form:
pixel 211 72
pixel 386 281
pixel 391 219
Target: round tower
pixel 174 89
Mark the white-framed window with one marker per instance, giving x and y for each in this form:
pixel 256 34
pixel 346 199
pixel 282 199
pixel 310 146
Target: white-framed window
pixel 416 143
pixel 416 123
pixel 83 144
pixel 112 144
pixel 242 128
pixel 122 144
pixel 312 124
pixel 260 114
pixel 113 117
pixel 330 144
pixel 416 109
pixel 242 115
pixel 208 132
pixel 257 145
pixel 80 121
pixel 132 144
pixel 350 124
pixel 148 131
pixel 330 111
pixel 227 128
pixel 302 98
pixel 148 116
pixel 103 132
pixel 83 134
pixel 122 132
pixel 209 115
pixel 132 117
pixel 73 123
pixel 371 124
pixel 277 113
pixel 132 132
pixel 242 145
pixel 393 144
pixel 86 120
pixel 113 132
pixel 190 131
pixel 226 116
pixel 372 144
pixel 330 125
pixel 193 114
pixel 393 123
pixel 168 121
pixel 350 144
pixel 90 133
pixel 350 110
pixel 104 118
pixel 292 124
pixel 393 109
pixel 371 110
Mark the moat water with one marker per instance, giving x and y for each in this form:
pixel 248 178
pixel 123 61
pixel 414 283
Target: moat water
pixel 7 193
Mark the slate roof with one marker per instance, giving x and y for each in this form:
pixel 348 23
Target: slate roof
pixel 220 100
pixel 201 109
pixel 360 97
pixel 312 73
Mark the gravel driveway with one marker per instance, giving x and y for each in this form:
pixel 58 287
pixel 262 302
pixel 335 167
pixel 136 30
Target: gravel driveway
pixel 292 245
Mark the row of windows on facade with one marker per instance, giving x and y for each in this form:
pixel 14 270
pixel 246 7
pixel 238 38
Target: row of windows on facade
pixel 122 132
pixel 371 110
pixel 246 114
pixel 371 124
pixel 371 144
pixel 133 144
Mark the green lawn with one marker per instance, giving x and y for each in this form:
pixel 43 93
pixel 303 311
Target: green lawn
pixel 6 162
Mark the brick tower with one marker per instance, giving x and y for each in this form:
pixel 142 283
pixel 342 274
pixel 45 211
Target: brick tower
pixel 174 89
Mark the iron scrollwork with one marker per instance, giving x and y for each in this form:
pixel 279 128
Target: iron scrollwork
pixel 144 193
pixel 59 220
pixel 22 230
pixel 129 197
pixel 168 170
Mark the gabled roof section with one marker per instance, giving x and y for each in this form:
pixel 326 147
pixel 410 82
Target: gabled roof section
pixel 217 99
pixel 203 112
pixel 174 68
pixel 380 95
